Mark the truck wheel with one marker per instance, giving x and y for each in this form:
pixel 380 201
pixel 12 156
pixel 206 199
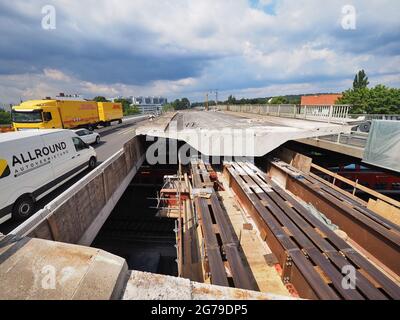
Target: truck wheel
pixel 119 121
pixel 90 127
pixel 92 163
pixel 23 208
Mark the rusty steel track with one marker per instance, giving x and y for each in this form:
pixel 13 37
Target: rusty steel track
pixel 312 256
pixel 221 248
pixel 379 236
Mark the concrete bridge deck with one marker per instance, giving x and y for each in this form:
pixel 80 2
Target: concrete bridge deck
pixel 231 134
pixel 71 221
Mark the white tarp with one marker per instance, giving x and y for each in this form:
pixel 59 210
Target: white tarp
pixel 383 145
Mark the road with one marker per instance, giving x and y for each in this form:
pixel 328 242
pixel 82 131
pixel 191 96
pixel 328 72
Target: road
pixel 112 140
pixel 219 120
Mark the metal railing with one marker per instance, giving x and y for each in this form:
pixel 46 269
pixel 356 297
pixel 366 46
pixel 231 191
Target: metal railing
pixel 325 113
pixel 355 139
pixel 376 116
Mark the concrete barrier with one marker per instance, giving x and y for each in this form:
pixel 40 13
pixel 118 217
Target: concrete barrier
pixel 77 215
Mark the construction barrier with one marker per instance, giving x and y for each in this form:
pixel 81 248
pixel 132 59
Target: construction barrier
pixel 6 128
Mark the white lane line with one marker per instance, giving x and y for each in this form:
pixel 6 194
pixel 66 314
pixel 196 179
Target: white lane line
pixel 130 131
pixel 123 131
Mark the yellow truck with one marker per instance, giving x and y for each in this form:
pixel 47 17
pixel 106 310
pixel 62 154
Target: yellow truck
pixel 67 114
pixel 109 112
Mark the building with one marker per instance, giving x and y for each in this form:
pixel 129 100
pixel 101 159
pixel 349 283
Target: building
pixel 149 104
pixel 321 99
pixel 145 104
pixel 70 97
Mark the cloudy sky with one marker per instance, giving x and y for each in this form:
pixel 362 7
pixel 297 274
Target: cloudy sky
pixel 176 48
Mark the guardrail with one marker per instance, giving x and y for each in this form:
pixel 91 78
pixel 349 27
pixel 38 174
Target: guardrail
pixel 77 214
pixel 324 113
pixel 356 139
pixel 376 116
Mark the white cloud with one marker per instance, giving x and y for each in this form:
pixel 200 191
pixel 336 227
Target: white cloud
pixel 54 74
pixel 301 47
pixel 51 82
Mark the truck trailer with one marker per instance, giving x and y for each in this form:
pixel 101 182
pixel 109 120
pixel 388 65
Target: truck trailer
pixel 109 112
pixel 65 114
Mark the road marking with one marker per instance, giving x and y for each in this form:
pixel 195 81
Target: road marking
pixel 130 131
pixel 125 131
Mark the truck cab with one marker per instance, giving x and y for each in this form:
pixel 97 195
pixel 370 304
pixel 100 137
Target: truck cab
pixel 36 114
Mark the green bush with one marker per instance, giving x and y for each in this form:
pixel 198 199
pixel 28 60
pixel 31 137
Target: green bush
pixel 131 110
pixel 377 100
pixel 5 117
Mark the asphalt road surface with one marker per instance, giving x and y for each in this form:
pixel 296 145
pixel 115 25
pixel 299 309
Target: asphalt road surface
pixel 112 140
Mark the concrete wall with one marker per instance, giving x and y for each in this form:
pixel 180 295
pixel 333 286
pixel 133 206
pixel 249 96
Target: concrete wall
pixel 77 215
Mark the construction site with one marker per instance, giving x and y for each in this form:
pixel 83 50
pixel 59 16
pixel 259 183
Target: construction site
pixel 240 202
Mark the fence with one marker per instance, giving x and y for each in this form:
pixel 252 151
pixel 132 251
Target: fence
pixel 77 215
pixel 325 113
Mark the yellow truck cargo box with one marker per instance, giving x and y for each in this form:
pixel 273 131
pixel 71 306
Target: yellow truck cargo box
pixel 109 111
pixel 78 113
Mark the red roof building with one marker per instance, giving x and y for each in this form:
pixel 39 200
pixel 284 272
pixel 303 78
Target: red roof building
pixel 322 99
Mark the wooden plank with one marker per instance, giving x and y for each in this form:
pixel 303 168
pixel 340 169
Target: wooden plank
pixel 358 186
pixel 385 210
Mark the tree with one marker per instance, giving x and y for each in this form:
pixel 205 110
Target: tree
pixel 279 100
pixel 185 103
pixel 5 117
pixel 100 99
pixel 181 104
pixel 126 104
pixel 131 110
pixel 360 80
pixel 377 100
pixel 231 100
pixel 168 107
pixel 178 105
